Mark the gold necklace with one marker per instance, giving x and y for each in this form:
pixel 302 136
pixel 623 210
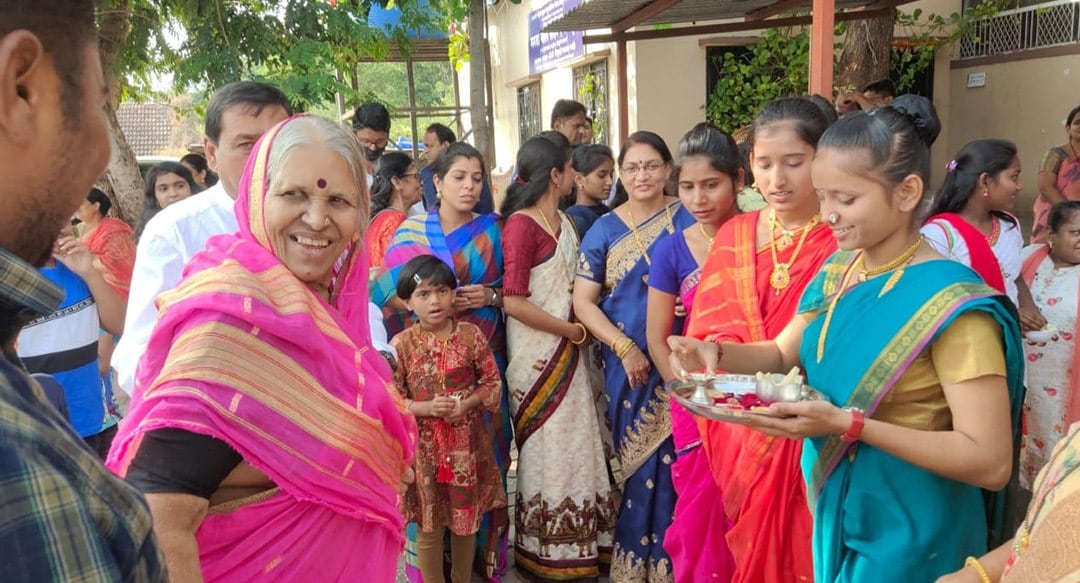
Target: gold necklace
pixel 787 236
pixel 900 260
pixel 781 273
pixel 706 235
pixel 543 217
pixel 637 238
pixel 859 266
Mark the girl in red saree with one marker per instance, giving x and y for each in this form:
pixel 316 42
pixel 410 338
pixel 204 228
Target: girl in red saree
pixel 265 430
pixel 750 289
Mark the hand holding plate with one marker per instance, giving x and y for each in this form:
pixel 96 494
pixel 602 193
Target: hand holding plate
pixel 801 419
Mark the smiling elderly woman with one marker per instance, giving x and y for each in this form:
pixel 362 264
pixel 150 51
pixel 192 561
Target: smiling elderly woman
pixel 263 429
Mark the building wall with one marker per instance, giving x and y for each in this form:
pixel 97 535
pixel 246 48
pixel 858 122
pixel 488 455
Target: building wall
pixel 668 87
pixel 1025 101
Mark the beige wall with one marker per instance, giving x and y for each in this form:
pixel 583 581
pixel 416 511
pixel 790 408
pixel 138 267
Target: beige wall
pixel 666 81
pixel 1025 101
pixel 668 87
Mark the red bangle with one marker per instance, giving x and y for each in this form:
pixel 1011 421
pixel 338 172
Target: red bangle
pixel 854 431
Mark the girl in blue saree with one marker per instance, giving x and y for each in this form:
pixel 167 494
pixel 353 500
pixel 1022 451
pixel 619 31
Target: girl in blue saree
pixel 919 360
pixel 471 245
pixel 609 299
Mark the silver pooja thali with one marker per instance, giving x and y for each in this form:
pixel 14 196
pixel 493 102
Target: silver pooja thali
pixel 733 398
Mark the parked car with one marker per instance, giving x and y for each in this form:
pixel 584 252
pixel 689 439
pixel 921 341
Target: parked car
pixel 148 162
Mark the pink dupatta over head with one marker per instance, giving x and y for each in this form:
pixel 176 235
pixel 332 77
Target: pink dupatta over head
pixel 245 352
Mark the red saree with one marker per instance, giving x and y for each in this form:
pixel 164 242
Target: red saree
pixel 763 490
pixel 380 233
pixel 113 244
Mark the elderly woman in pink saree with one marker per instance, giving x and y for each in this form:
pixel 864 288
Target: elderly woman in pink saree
pixel 264 429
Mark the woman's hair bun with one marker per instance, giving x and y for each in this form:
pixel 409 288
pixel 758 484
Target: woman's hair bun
pixel 921 113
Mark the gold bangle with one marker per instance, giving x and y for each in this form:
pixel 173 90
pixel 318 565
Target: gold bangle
pixel 619 342
pixel 625 348
pixel 584 334
pixel 974 564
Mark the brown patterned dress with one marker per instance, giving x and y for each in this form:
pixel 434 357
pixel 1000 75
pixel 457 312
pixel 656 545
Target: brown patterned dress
pixel 457 478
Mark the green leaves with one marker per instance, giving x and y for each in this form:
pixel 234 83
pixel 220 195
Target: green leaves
pixel 776 66
pixel 302 45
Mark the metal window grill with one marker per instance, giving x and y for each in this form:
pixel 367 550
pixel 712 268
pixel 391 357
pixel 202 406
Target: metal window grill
pixel 591 89
pixel 530 118
pixel 1048 24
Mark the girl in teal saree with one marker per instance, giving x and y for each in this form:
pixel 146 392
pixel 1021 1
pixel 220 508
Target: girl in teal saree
pixel 919 360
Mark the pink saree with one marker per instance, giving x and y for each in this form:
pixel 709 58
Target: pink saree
pixel 245 352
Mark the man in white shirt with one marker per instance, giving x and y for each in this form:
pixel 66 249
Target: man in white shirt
pixel 238 115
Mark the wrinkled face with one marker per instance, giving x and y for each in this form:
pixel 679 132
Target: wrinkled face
pixel 573 127
pixel 865 212
pixel 433 147
pixel 77 142
pixel 596 185
pixel 241 127
pixel 432 304
pixel 706 192
pixel 409 186
pixel 372 143
pixel 170 188
pixel 460 189
pixel 1004 187
pixel 312 212
pixel 644 173
pixel 1065 241
pixel 781 162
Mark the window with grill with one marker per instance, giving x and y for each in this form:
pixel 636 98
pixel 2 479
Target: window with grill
pixel 1030 25
pixel 591 89
pixel 530 118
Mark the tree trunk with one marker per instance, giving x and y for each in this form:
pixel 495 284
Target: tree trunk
pixel 864 56
pixel 122 180
pixel 478 64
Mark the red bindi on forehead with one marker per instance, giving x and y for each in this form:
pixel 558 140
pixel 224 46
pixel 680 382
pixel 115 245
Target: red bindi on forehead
pixel 321 183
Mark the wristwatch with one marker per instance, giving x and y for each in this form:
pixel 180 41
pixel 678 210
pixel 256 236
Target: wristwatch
pixel 854 431
pixel 494 297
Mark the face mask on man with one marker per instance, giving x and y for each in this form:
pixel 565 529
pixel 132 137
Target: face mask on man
pixel 373 155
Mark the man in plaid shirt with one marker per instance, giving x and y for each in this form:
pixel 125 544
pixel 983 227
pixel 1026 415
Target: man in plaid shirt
pixel 63 516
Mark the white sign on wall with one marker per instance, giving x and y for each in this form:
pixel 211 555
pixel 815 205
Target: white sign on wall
pixel 976 79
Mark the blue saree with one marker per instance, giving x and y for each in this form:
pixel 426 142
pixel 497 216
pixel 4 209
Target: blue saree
pixel 640 416
pixel 877 517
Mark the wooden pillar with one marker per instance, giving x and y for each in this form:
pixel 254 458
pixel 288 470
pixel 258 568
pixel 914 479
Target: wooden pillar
pixel 622 88
pixel 412 106
pixel 823 13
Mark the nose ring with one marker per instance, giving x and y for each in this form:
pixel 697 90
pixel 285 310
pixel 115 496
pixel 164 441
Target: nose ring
pixel 326 220
pixel 833 217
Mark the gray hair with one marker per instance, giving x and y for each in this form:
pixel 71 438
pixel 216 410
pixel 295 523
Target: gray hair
pixel 307 130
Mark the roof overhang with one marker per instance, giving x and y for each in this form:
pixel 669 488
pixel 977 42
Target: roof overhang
pixel 683 17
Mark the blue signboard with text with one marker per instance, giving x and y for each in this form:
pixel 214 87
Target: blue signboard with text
pixel 548 49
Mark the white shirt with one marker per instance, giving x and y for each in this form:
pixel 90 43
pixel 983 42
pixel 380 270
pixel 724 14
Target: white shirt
pixel 948 242
pixel 168 242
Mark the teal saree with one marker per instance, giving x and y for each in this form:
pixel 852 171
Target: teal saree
pixel 877 517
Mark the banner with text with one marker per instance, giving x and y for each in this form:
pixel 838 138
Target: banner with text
pixel 548 49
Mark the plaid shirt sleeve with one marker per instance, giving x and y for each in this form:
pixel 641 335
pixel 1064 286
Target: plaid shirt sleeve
pixel 63 517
